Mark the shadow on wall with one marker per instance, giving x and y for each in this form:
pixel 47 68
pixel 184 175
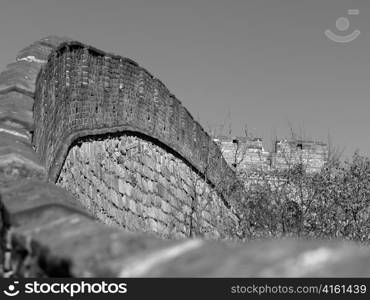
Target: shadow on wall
pixel 132 181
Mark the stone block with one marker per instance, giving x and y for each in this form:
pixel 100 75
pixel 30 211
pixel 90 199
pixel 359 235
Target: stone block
pixel 180 216
pixel 35 53
pixel 115 185
pixel 16 108
pixel 115 198
pixel 122 186
pixel 161 228
pixel 166 207
pixel 173 180
pixel 144 184
pixel 152 224
pixel 159 214
pixel 19 76
pixel 206 215
pixel 146 200
pixel 124 201
pixel 152 187
pixel 139 209
pixel 18 160
pixel 189 190
pixel 53 41
pixel 148 172
pixel 156 201
pixel 132 205
pixel 27 200
pixel 149 162
pixel 160 190
pixel 186 209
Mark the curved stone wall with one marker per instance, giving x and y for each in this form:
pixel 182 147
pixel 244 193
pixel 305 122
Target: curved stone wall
pixel 84 91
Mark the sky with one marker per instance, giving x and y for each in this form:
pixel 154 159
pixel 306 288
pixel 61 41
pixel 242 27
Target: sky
pixel 266 64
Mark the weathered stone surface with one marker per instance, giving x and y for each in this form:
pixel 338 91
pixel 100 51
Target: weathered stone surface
pixel 53 41
pixel 133 101
pixel 268 258
pixel 40 50
pixel 26 199
pixel 19 76
pixel 90 169
pixel 17 143
pixel 18 160
pixel 17 108
pixel 88 248
pixel 81 247
pixel 14 167
pixel 248 154
pixel 15 130
pixel 35 52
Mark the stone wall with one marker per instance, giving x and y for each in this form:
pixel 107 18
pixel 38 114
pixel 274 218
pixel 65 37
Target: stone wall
pixel 248 155
pixel 84 91
pixel 131 182
pixel 311 154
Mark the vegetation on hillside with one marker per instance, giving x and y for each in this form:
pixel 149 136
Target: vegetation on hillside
pixel 333 203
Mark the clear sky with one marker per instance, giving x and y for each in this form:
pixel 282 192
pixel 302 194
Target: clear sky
pixel 266 63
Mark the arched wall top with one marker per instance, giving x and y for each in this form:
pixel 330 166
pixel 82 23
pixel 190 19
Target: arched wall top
pixel 83 91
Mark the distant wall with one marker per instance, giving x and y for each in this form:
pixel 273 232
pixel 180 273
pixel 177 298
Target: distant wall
pixel 249 155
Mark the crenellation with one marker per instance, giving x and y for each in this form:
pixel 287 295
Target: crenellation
pixel 248 154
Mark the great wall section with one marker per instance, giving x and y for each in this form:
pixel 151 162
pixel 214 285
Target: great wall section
pixel 88 138
pixel 147 177
pixel 248 155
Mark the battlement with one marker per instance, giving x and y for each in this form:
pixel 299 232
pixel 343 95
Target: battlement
pixel 248 154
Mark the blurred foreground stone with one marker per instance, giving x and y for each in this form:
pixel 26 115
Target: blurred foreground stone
pixel 51 235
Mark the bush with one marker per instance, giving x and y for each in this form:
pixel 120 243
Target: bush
pixel 334 203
